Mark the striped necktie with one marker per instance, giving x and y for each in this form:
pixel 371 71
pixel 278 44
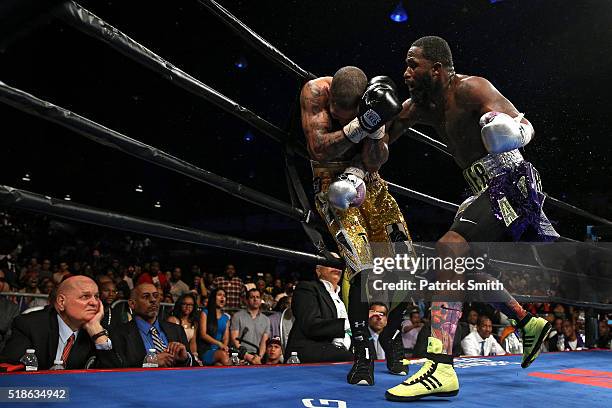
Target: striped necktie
pixel 67 349
pixel 160 347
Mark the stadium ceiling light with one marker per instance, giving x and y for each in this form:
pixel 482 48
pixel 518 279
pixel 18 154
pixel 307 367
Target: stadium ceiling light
pixel 249 136
pixel 241 63
pixel 138 189
pixel 399 14
pixel 26 177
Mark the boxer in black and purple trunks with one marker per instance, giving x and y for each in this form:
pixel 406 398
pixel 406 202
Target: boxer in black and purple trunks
pixel 483 131
pixel 506 204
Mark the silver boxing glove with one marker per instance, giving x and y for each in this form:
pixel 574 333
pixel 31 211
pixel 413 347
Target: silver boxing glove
pixel 502 133
pixel 348 190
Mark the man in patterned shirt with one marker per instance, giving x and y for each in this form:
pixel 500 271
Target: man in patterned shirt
pixel 232 285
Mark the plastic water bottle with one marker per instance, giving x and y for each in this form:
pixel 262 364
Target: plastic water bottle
pixel 294 358
pixel 234 360
pixel 57 365
pixel 150 360
pixel 510 345
pixel 29 360
pixel 561 343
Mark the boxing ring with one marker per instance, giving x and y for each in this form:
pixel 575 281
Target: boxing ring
pixel 580 377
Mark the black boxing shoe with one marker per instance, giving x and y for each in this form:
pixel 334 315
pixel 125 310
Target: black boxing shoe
pixel 395 355
pixel 362 372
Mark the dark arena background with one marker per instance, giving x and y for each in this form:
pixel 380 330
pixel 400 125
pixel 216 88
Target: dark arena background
pixel 551 59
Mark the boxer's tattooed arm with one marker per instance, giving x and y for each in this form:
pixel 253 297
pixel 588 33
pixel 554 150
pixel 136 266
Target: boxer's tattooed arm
pixel 374 153
pixel 323 145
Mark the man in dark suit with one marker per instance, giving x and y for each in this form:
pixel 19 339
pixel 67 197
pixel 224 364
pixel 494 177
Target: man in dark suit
pixel 8 312
pixel 320 332
pixel 145 331
pixel 68 330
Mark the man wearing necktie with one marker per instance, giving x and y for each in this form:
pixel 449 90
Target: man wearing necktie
pixel 133 339
pixel 68 330
pixel 480 342
pixel 377 323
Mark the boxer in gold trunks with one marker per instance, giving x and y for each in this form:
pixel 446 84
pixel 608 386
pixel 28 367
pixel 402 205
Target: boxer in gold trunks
pixel 343 118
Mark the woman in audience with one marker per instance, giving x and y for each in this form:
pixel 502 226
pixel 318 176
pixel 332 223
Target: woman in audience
pixel 214 330
pixel 185 313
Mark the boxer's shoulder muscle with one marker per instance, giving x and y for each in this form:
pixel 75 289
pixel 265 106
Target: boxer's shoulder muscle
pixel 473 90
pixel 314 101
pixel 481 96
pixel 315 93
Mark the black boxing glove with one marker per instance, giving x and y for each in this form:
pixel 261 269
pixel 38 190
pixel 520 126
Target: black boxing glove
pixel 378 105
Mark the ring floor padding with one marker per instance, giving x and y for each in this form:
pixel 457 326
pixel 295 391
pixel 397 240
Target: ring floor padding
pixel 570 379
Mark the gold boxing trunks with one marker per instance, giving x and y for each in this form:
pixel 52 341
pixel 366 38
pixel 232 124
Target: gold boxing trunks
pixel 378 221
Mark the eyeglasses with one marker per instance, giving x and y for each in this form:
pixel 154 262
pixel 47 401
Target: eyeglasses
pixel 188 304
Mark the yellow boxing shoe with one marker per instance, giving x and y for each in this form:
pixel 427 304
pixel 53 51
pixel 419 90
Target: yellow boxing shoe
pixel 437 377
pixel 535 331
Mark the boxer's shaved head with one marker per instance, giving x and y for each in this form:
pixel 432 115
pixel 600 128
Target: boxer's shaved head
pixel 348 84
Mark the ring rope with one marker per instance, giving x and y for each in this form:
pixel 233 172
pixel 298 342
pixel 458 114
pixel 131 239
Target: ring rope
pixel 88 23
pixel 27 200
pixel 100 134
